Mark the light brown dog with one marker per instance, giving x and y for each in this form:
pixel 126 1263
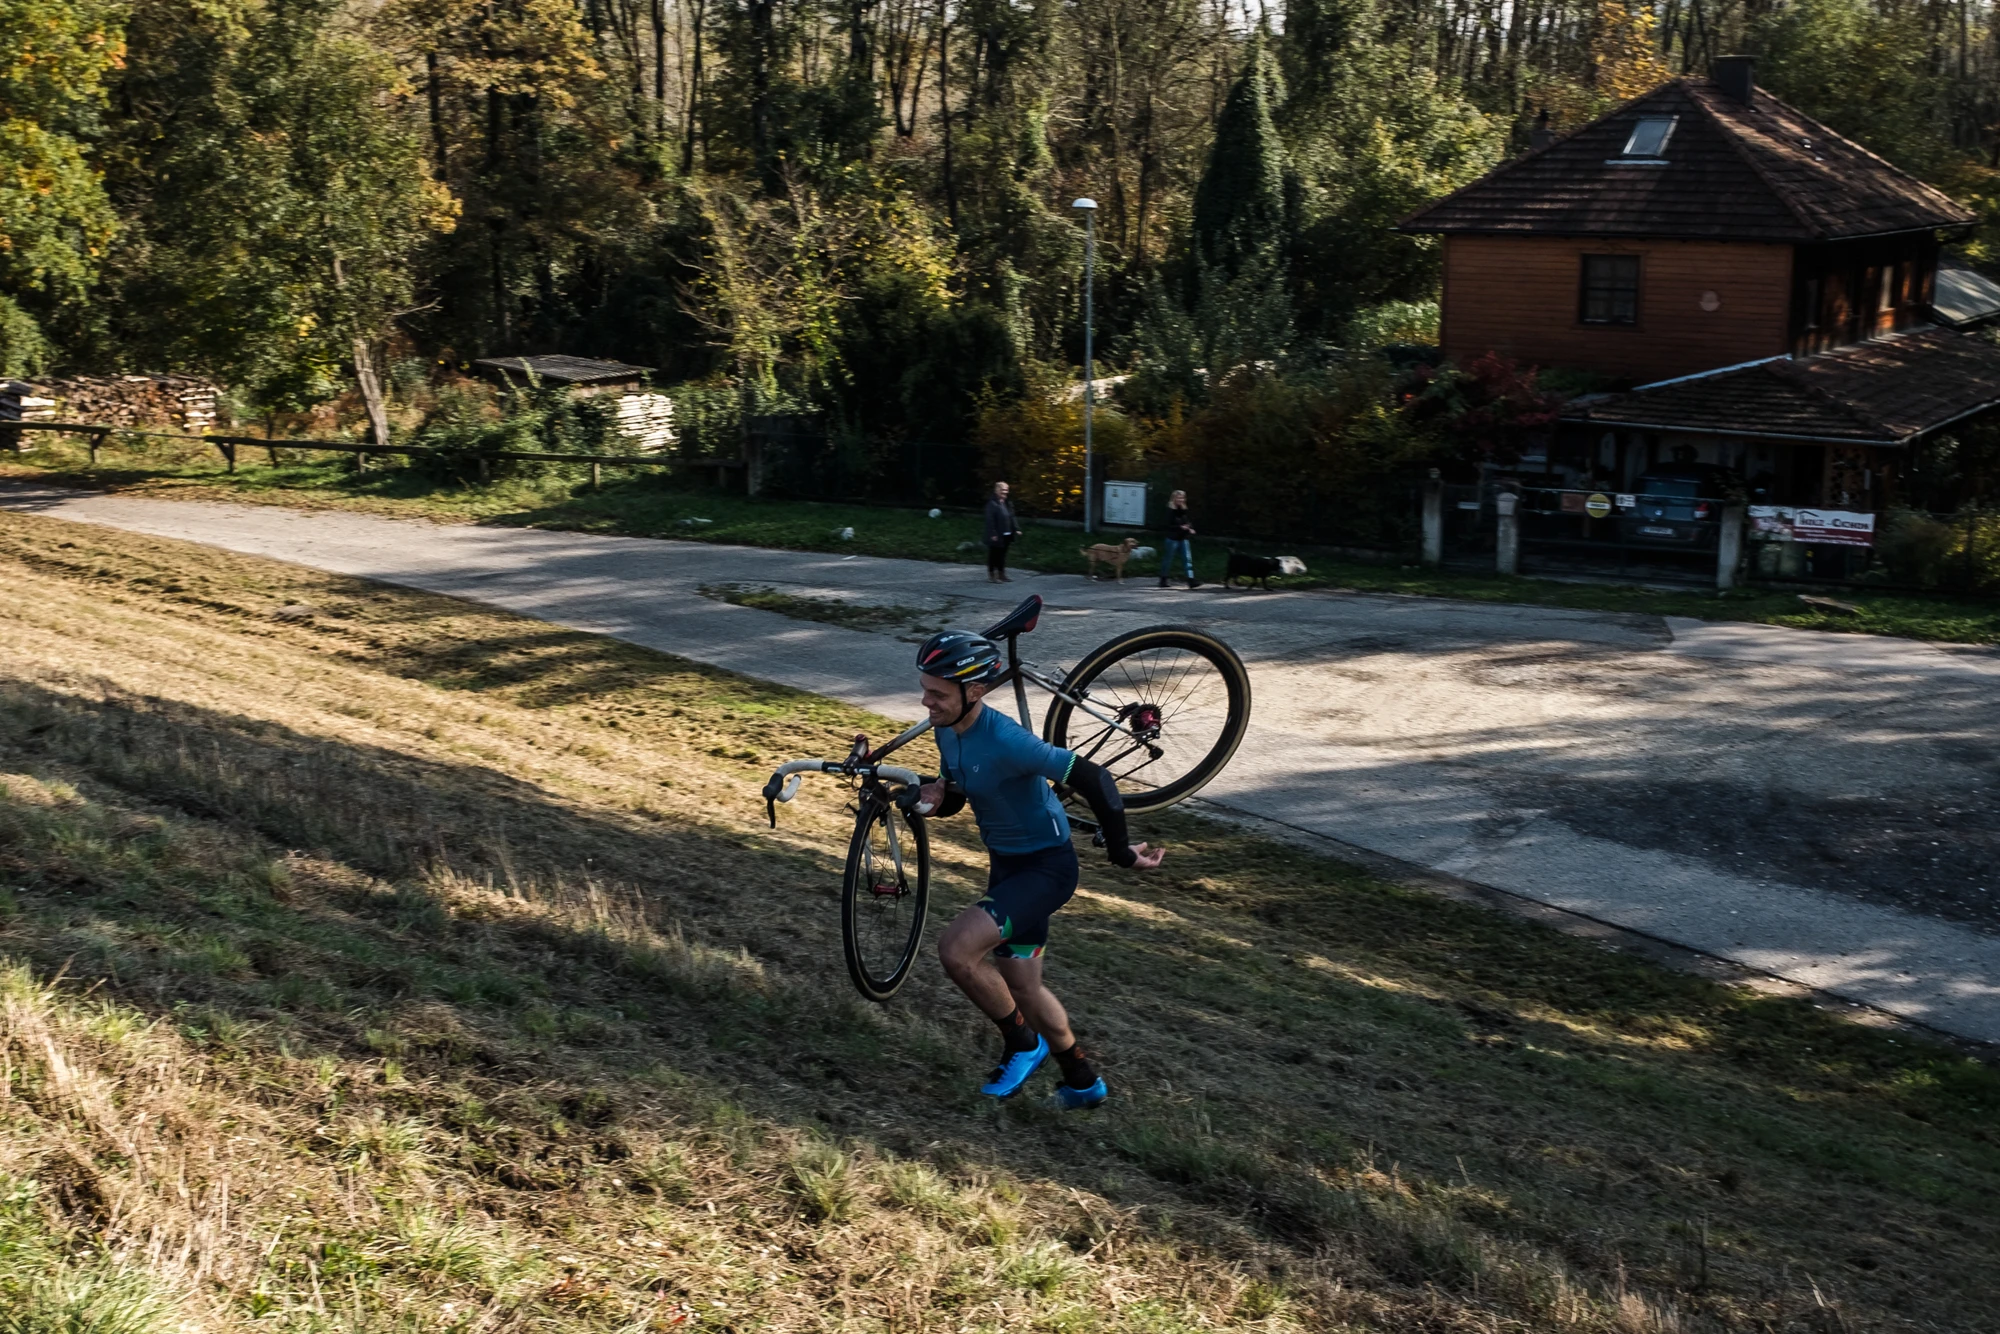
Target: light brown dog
pixel 1115 557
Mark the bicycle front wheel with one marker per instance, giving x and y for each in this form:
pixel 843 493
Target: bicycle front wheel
pixel 884 896
pixel 1165 709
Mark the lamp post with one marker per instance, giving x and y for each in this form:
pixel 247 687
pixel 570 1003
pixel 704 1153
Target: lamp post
pixel 1089 207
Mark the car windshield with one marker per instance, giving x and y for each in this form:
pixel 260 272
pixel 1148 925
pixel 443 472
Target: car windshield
pixel 1667 486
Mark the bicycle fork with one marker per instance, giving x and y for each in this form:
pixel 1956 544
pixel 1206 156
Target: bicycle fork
pixel 895 846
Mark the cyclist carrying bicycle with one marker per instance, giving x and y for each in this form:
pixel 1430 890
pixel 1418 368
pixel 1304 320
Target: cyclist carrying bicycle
pixel 993 950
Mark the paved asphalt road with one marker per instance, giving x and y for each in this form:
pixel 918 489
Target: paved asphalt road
pixel 1825 808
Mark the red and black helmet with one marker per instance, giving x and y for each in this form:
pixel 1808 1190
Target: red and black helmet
pixel 959 655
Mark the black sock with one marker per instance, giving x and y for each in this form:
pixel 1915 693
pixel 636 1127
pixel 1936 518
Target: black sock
pixel 1077 1070
pixel 1014 1031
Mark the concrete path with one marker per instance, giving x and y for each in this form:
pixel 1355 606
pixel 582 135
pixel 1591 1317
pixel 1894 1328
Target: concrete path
pixel 1825 808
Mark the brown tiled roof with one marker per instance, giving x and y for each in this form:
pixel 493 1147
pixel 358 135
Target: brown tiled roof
pixel 1884 392
pixel 1762 172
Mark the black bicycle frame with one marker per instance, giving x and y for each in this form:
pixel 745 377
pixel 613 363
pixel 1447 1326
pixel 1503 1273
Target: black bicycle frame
pixel 1018 674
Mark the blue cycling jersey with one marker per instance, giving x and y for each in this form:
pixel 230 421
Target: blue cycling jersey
pixel 1005 771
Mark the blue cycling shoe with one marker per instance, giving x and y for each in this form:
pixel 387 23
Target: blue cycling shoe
pixel 1075 1100
pixel 1015 1068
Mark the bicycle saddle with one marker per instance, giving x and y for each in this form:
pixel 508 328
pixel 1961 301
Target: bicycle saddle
pixel 1020 620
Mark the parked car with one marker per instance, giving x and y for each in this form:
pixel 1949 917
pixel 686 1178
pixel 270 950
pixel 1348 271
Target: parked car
pixel 1679 506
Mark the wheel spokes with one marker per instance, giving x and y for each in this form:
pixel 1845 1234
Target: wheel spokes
pixel 1173 708
pixel 884 906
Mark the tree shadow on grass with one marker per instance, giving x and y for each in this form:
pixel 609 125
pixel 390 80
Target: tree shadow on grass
pixel 1305 1058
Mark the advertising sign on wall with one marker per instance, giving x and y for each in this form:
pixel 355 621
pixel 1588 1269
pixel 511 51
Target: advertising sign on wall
pixel 1787 523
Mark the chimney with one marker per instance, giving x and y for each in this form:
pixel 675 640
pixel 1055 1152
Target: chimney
pixel 1542 136
pixel 1735 76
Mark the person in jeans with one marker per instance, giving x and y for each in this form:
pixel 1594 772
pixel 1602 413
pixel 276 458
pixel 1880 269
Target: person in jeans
pixel 1180 538
pixel 1000 532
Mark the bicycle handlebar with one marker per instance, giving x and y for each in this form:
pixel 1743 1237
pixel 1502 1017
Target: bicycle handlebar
pixel 784 781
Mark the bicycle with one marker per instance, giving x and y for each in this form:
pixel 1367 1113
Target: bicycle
pixel 1162 708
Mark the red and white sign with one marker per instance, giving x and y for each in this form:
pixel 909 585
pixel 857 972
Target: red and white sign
pixel 1840 528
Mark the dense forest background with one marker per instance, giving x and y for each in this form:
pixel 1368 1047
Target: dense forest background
pixel 857 209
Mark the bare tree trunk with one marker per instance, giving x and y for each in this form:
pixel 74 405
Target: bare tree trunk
pixel 660 68
pixel 693 91
pixel 371 392
pixel 436 91
pixel 944 112
pixel 364 374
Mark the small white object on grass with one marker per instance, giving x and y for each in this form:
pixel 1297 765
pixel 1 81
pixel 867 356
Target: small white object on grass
pixel 845 534
pixel 937 514
pixel 1143 553
pixel 695 523
pixel 968 546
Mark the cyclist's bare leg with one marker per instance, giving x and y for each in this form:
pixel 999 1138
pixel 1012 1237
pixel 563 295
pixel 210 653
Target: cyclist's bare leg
pixel 966 950
pixel 1037 1002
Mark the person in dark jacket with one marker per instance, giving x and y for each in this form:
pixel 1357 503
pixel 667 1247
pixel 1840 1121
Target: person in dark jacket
pixel 1180 538
pixel 1000 532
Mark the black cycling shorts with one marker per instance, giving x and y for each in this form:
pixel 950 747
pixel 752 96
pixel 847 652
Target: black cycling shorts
pixel 1023 890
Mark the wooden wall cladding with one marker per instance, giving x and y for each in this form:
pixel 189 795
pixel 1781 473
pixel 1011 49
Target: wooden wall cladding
pixel 1702 304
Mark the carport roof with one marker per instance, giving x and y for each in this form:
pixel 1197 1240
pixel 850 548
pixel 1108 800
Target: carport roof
pixel 559 369
pixel 1885 392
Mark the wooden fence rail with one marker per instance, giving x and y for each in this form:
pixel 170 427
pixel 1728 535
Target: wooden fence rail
pixel 227 445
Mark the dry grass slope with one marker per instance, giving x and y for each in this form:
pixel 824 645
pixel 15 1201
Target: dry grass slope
pixel 375 962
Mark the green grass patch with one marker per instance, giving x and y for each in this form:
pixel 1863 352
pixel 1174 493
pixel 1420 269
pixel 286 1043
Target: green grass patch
pixel 832 611
pixel 653 506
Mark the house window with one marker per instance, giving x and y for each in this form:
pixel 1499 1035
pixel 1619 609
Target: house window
pixel 1812 303
pixel 1649 136
pixel 1610 289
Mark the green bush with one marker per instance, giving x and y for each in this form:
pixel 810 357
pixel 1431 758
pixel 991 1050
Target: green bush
pixel 1960 553
pixel 1914 547
pixel 470 426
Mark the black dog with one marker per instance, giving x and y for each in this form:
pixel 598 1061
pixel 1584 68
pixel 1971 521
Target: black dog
pixel 1260 568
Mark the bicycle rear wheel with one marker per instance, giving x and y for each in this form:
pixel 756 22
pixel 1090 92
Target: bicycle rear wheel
pixel 1177 701
pixel 884 896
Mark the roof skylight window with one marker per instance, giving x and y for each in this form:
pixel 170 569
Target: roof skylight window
pixel 1649 137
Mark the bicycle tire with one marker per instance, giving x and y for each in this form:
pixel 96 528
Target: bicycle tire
pixel 880 932
pixel 1139 795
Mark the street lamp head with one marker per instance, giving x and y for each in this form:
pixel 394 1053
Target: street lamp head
pixel 1085 204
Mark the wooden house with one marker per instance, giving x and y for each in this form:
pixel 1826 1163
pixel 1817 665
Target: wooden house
pixel 1757 290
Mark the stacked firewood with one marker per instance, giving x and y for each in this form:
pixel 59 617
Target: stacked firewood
pixel 647 420
pixel 24 402
pixel 179 402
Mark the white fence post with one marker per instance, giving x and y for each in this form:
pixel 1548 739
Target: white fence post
pixel 1507 547
pixel 1729 548
pixel 1434 519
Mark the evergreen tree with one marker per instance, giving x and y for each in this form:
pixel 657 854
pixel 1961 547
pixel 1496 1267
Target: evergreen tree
pixel 1240 212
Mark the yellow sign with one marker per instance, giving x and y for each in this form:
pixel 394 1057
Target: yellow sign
pixel 1597 506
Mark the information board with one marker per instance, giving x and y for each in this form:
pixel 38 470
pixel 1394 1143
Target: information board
pixel 1125 504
